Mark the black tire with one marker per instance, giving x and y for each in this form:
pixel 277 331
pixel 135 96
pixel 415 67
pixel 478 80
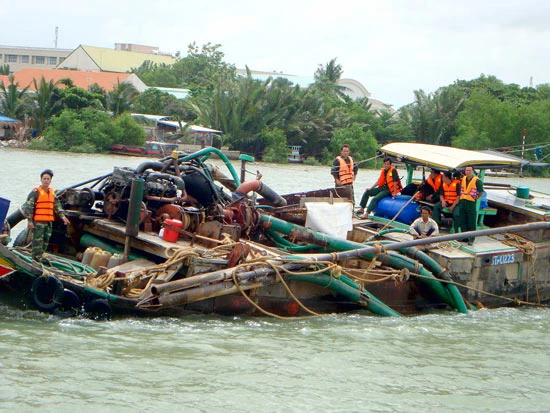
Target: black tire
pixel 21 239
pixel 47 293
pixel 70 305
pixel 98 309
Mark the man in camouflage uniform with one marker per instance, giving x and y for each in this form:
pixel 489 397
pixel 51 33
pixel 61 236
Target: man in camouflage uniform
pixel 40 209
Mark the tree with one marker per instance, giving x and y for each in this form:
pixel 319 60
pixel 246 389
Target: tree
pixel 327 77
pixel 120 99
pixel 45 102
pixel 12 102
pixel 276 149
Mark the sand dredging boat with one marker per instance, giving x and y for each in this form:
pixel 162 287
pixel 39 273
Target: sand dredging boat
pixel 179 236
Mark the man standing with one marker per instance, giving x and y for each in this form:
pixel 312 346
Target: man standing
pixel 389 184
pixel 449 194
pixel 471 188
pixel 40 209
pixel 344 171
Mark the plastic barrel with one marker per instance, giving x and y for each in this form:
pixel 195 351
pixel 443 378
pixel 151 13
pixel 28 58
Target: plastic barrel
pixel 169 234
pixel 4 206
pixel 522 192
pixel 388 207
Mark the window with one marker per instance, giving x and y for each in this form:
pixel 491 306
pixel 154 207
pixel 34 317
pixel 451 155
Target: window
pixel 52 60
pixel 0 57
pixel 25 58
pixel 39 60
pixel 11 58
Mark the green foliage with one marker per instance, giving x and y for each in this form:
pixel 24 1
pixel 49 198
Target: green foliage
pixel 155 102
pixel 276 150
pixel 5 70
pixel 362 144
pixel 120 99
pixel 12 99
pixel 89 130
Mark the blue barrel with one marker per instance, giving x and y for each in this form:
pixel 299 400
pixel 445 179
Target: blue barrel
pixel 4 206
pixel 389 207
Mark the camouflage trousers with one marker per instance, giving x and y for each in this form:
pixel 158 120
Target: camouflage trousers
pixel 40 237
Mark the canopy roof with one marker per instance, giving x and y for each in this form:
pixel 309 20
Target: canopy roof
pixel 6 119
pixel 169 121
pixel 445 157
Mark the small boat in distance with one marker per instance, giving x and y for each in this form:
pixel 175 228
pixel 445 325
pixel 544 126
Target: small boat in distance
pixel 294 155
pixel 151 148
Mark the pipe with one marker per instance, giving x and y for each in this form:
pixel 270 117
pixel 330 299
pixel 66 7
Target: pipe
pixel 271 196
pixel 206 152
pixel 180 184
pixel 154 165
pixel 349 247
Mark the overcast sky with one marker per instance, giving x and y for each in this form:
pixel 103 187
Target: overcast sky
pixel 391 47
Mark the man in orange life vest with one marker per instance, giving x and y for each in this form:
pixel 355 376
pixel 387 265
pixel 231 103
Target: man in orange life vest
pixel 389 184
pixel 344 171
pixel 433 186
pixel 471 188
pixel 40 209
pixel 449 196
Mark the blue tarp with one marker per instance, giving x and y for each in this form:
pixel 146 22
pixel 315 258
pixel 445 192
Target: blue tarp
pixel 6 119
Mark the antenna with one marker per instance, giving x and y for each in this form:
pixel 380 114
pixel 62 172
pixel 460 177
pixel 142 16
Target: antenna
pixel 56 33
pixel 531 81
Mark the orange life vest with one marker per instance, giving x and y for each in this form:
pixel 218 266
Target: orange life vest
pixel 469 192
pixel 387 178
pixel 43 207
pixel 435 184
pixel 345 173
pixel 449 191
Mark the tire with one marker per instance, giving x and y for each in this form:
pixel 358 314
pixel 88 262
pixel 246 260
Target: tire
pixel 70 305
pixel 22 239
pixel 47 293
pixel 98 309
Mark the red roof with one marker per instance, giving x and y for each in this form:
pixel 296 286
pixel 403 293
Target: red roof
pixel 84 80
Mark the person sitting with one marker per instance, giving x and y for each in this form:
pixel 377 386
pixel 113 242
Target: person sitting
pixel 388 184
pixel 449 194
pixel 433 184
pixel 424 226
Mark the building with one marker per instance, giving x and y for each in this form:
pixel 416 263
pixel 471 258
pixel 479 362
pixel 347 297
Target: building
pixel 99 59
pixel 38 57
pixel 106 80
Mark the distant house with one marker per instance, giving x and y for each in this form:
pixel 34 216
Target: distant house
pixel 166 126
pixel 91 58
pixel 84 80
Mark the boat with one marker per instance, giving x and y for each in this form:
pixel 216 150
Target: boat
pixel 152 149
pixel 294 155
pixel 178 236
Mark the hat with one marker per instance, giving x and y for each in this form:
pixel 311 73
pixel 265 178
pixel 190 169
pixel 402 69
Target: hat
pixel 46 171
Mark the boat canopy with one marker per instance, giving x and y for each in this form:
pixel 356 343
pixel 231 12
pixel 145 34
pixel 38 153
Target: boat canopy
pixel 445 157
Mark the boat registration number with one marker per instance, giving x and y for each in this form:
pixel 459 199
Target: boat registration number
pixel 503 259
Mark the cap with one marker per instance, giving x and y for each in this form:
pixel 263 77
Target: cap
pixel 46 171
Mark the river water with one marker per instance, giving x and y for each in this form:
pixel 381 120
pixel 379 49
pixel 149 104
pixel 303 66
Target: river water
pixel 487 361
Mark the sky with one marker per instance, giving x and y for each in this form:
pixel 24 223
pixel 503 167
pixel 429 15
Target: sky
pixel 392 47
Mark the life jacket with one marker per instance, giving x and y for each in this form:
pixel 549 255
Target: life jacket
pixel 386 178
pixel 43 207
pixel 449 191
pixel 435 184
pixel 469 192
pixel 345 173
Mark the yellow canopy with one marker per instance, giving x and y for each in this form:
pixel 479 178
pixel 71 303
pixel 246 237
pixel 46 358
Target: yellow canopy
pixel 444 157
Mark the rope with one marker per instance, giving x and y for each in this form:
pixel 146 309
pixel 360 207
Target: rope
pixel 530 250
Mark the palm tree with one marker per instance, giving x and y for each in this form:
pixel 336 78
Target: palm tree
pixel 12 103
pixel 45 102
pixel 327 77
pixel 119 100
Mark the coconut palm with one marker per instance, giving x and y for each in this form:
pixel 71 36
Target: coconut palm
pixel 12 103
pixel 119 100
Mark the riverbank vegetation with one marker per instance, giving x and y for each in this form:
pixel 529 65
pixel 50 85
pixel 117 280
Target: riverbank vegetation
pixel 262 117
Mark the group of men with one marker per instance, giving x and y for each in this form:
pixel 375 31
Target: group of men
pixel 455 194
